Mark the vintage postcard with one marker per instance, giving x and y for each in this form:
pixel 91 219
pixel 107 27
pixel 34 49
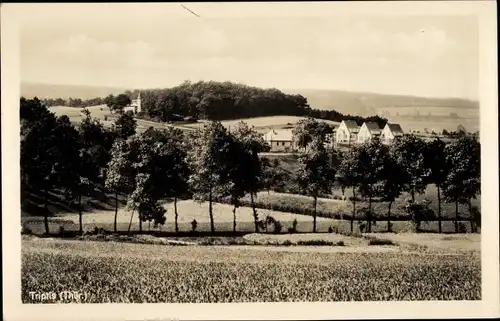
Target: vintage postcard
pixel 250 160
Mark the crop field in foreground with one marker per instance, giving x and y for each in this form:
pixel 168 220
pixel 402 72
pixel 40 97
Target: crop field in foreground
pixel 152 273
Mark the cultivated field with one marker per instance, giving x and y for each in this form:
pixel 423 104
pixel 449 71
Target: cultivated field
pixel 267 123
pixel 102 112
pixel 105 116
pixel 156 273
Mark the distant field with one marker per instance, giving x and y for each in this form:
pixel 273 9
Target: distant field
pixel 264 123
pixel 450 124
pixel 101 112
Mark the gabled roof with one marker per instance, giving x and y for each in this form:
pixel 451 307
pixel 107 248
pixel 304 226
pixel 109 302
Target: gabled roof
pixel 373 127
pixel 395 128
pixel 351 125
pixel 283 135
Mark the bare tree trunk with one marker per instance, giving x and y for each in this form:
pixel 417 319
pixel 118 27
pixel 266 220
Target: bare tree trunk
pixel 389 229
pixel 255 215
pixel 210 211
pixel 439 208
pixel 456 216
pixel 176 215
pixel 353 208
pixel 412 194
pixel 140 222
pixel 234 218
pixel 80 219
pixel 46 214
pixel 370 214
pixel 314 211
pixel 472 227
pixel 130 223
pixel 116 212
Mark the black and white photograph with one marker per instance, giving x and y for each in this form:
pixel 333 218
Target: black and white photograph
pixel 250 153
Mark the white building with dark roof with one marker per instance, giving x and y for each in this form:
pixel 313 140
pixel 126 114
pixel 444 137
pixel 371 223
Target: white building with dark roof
pixel 280 140
pixel 347 133
pixel 368 131
pixel 390 132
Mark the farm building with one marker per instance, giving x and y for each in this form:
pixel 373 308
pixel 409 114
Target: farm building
pixel 280 140
pixel 135 106
pixel 368 131
pixel 390 132
pixel 347 132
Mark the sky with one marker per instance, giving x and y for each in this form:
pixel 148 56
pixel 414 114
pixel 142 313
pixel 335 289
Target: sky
pixel 162 45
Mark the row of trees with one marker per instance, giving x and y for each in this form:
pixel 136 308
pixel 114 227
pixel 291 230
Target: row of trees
pixel 55 155
pixel 380 172
pixel 73 102
pixel 212 163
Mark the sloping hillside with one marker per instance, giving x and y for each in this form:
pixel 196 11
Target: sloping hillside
pixel 30 90
pixel 367 103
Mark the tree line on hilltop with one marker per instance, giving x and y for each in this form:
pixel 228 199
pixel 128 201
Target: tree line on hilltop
pixel 213 100
pixel 211 163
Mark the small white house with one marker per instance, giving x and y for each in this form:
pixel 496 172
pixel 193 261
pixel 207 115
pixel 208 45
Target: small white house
pixel 135 105
pixel 280 140
pixel 390 132
pixel 368 131
pixel 347 132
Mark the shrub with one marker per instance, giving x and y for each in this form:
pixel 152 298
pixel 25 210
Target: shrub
pixel 330 230
pixel 419 212
pixel 462 228
pixel 105 117
pixel 277 227
pixel 377 241
pixel 194 225
pixel 287 243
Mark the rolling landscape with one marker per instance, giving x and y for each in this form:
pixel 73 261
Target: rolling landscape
pixel 413 113
pixel 196 163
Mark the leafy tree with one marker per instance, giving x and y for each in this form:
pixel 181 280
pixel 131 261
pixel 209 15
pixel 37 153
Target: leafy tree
pixel 125 126
pixel 315 174
pixel 48 150
pixel 463 181
pixel 391 184
pixel 372 157
pixel 409 153
pixel 208 157
pixel 119 176
pixel 109 101
pixel 438 169
pixel 97 142
pixel 246 169
pixel 174 164
pixel 273 175
pixel 350 174
pixel 308 129
pixel 120 102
